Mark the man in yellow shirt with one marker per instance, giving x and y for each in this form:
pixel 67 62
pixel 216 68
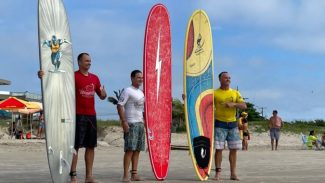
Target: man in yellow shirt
pixel 226 102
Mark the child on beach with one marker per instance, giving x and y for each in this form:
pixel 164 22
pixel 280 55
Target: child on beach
pixel 243 127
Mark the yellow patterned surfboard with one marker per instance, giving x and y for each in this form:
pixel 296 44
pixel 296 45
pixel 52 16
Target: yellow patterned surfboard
pixel 198 89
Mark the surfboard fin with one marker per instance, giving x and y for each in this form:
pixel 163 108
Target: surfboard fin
pixel 50 150
pixel 73 150
pixel 63 163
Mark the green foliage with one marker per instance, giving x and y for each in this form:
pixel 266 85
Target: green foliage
pixel 253 115
pixel 178 115
pixel 295 127
pixel 113 100
pixel 107 123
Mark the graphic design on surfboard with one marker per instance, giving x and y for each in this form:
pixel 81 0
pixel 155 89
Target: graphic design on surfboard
pixel 157 89
pixel 198 89
pixel 58 86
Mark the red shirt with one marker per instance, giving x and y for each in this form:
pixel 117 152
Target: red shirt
pixel 86 86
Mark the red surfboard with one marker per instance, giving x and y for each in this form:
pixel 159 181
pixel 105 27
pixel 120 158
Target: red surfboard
pixel 157 88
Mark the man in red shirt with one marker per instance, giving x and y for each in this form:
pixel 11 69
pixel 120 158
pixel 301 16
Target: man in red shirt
pixel 86 85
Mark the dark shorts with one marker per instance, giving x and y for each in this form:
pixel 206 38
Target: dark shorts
pixel 86 131
pixel 246 133
pixel 134 140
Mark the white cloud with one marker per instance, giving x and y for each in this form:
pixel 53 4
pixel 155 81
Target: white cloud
pixel 293 25
pixel 302 42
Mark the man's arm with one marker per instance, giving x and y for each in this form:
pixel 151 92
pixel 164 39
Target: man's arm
pixel 270 123
pixel 121 113
pixel 239 105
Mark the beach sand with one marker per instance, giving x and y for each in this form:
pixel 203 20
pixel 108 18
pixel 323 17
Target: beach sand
pixel 26 161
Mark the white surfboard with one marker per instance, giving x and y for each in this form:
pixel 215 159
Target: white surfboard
pixel 58 86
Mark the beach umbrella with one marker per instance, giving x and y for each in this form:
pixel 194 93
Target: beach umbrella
pixel 11 104
pixel 30 109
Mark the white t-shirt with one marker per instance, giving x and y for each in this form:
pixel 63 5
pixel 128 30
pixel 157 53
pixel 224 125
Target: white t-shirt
pixel 133 101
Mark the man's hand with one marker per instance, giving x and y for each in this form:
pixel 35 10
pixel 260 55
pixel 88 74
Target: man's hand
pixel 230 104
pixel 40 74
pixel 102 92
pixel 183 96
pixel 125 127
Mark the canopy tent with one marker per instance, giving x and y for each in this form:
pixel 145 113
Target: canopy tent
pixel 13 105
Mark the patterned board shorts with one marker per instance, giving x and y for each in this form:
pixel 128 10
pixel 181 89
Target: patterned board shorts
pixel 134 140
pixel 225 132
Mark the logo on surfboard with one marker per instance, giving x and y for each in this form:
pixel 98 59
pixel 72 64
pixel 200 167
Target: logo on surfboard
pixel 158 65
pixel 200 44
pixel 56 53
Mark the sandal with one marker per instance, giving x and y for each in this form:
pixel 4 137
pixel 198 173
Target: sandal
pixel 134 176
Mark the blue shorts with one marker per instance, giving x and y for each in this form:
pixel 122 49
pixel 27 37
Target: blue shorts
pixel 275 133
pixel 41 125
pixel 134 140
pixel 227 131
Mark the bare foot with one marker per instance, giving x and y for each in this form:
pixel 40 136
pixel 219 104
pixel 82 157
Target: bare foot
pixel 91 180
pixel 126 180
pixel 218 174
pixel 234 177
pixel 74 180
pixel 135 176
pixel 73 176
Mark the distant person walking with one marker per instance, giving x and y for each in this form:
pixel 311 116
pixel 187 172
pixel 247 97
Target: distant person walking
pixel 275 124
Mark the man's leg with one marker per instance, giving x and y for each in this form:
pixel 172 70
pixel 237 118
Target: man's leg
pixel 126 164
pixel 135 161
pixel 73 169
pixel 217 161
pixel 276 144
pixel 233 164
pixel 272 144
pixel 89 161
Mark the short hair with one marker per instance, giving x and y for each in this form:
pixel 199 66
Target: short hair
pixel 134 73
pixel 80 56
pixel 275 111
pixel 221 73
pixel 311 132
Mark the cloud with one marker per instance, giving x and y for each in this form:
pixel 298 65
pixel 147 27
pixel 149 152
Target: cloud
pixel 293 25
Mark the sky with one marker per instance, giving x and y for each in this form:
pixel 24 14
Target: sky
pixel 274 50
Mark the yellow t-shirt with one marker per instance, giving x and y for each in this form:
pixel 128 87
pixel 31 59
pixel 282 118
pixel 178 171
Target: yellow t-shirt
pixel 222 113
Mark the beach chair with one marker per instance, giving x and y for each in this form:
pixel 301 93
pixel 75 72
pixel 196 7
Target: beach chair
pixel 304 141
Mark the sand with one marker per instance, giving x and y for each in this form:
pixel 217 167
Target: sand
pixel 26 161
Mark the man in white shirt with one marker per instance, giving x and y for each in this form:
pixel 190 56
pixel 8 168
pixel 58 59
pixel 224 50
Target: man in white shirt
pixel 130 109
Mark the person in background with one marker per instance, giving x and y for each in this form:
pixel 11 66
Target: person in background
pixel 41 126
pixel 312 140
pixel 243 126
pixel 275 125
